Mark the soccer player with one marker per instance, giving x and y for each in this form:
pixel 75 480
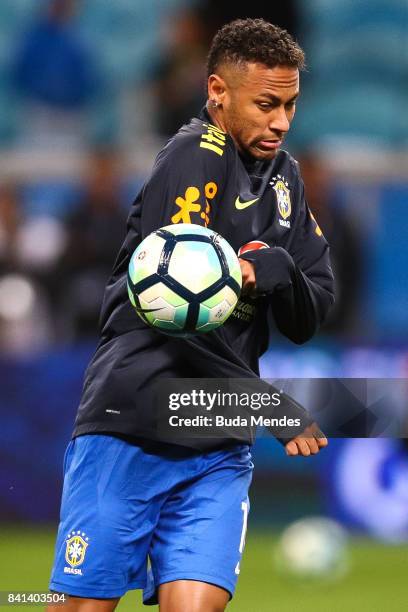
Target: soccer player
pixel 129 493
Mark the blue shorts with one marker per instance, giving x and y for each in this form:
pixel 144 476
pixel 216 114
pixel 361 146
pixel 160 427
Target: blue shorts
pixel 122 506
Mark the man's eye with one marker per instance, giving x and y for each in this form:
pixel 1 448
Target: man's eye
pixel 264 105
pixel 290 105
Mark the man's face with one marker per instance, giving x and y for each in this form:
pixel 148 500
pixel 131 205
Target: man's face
pixel 257 105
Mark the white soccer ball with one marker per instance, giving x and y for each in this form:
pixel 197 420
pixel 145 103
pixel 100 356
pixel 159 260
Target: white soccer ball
pixel 184 279
pixel 314 547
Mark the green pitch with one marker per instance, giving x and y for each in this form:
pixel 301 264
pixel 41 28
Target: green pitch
pixel 377 580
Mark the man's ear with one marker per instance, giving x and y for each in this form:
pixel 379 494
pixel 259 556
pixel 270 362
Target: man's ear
pixel 216 89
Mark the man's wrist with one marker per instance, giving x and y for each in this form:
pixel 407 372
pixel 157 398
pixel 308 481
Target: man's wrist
pixel 273 268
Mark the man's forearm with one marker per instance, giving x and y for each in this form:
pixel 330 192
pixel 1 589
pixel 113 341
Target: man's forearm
pixel 300 302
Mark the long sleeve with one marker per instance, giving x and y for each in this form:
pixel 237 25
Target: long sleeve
pixel 296 276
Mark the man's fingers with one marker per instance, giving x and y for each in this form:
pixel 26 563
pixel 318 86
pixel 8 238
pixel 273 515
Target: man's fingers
pixel 291 448
pixel 303 446
pixel 297 446
pixel 308 443
pixel 313 446
pixel 322 442
pixel 248 277
pixel 315 433
pixel 318 435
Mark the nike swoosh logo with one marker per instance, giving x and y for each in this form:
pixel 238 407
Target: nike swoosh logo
pixel 241 205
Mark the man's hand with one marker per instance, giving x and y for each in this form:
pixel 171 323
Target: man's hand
pixel 309 442
pixel 248 278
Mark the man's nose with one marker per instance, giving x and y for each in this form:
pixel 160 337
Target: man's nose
pixel 279 122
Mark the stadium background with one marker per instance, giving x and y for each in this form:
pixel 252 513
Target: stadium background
pixel 88 93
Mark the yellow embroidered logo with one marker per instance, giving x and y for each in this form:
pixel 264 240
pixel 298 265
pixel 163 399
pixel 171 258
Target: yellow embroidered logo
pixel 241 205
pixel 76 547
pixel 190 204
pixel 187 205
pixel 214 139
pixel 282 194
pixel 281 188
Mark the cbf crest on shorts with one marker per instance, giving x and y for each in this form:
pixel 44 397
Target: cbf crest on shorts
pixel 76 544
pixel 281 188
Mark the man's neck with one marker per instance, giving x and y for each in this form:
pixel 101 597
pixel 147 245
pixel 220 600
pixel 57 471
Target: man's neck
pixel 214 116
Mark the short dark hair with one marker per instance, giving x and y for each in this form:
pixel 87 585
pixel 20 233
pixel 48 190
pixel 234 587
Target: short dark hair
pixel 254 40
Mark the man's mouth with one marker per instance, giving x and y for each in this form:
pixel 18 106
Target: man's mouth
pixel 269 145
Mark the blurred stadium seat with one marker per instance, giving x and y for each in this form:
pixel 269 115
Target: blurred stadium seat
pixel 56 198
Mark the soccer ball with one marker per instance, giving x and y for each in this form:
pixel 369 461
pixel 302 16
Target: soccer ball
pixel 313 548
pixel 184 279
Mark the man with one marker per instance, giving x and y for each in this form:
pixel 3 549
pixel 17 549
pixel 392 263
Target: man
pixel 128 493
